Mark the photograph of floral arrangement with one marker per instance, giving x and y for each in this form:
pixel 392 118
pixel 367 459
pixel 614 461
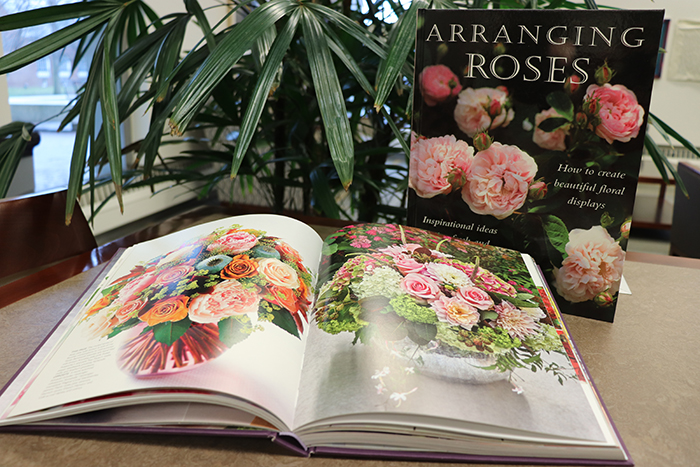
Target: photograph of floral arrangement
pixel 194 303
pixel 546 166
pixel 400 287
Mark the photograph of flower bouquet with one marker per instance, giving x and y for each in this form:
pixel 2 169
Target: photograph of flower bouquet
pixel 194 303
pixel 440 306
pixel 544 160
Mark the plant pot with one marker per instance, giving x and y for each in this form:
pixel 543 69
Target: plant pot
pixel 462 368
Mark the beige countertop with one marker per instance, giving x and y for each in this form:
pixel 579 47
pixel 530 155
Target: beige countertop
pixel 645 365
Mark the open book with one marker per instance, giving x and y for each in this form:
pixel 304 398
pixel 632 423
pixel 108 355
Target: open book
pixel 383 341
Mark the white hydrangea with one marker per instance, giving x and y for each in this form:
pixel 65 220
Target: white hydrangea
pixel 383 281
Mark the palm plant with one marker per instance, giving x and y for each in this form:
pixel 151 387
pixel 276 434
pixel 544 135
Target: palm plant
pixel 308 95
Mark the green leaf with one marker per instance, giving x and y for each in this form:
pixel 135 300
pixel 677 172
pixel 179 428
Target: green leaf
pixel 167 333
pixel 110 112
pixel 330 98
pixel 53 14
pixel 403 41
pixel 262 89
pixel 283 319
pixel 228 51
pixel 83 132
pixel 233 330
pixel 47 45
pixel 12 146
pixel 492 315
pixel 323 195
pixel 561 102
pixel 556 232
pixel 552 123
pixel 421 333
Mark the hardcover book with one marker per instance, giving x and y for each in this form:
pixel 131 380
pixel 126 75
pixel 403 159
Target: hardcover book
pixel 384 341
pixel 528 131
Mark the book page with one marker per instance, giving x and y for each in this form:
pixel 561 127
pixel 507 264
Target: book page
pixel 409 322
pixel 220 308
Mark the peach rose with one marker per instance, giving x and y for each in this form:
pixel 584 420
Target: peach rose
pixel 234 242
pixel 620 114
pixel 166 310
pixel 133 288
pixel 279 273
pixel 499 180
pixel 455 311
pixel 483 109
pixel 420 286
pixel 226 299
pixel 593 265
pixel 128 310
pixel 434 161
pixel 552 140
pixel 475 297
pixel 437 84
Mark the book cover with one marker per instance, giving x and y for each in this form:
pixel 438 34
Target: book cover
pixel 528 131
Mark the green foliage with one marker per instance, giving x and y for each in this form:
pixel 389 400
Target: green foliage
pixel 234 329
pixel 167 333
pixel 298 95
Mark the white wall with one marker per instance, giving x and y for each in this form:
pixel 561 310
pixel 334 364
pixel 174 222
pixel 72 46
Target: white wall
pixel 674 102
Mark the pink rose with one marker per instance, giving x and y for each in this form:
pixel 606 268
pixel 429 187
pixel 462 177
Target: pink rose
pixel 234 242
pixel 593 265
pixel 552 140
pixel 420 286
pixel 437 84
pixel 434 161
pixel 226 299
pixel 279 273
pixel 483 109
pixel 499 180
pixel 131 290
pixel 173 274
pixel 455 311
pixel 406 265
pixel 620 114
pixel 475 297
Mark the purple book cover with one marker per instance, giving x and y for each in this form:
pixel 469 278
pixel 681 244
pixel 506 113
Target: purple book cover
pixel 528 131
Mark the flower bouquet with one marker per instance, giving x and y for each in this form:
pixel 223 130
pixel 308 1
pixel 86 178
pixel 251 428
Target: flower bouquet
pixel 422 294
pixel 192 304
pixel 547 176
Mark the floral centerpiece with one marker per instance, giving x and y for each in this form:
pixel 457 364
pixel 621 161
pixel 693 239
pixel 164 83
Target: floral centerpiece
pixel 193 303
pixel 441 295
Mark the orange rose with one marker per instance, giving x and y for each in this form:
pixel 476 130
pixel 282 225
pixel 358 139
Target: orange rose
pixel 101 303
pixel 240 266
pixel 170 309
pixel 283 297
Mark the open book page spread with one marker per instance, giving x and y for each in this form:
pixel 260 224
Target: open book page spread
pixel 381 338
pixel 216 310
pixel 528 131
pixel 416 332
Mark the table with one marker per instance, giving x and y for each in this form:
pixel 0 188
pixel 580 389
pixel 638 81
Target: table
pixel 645 365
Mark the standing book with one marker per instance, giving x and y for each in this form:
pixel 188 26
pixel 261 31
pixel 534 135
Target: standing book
pixel 528 131
pixel 384 341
